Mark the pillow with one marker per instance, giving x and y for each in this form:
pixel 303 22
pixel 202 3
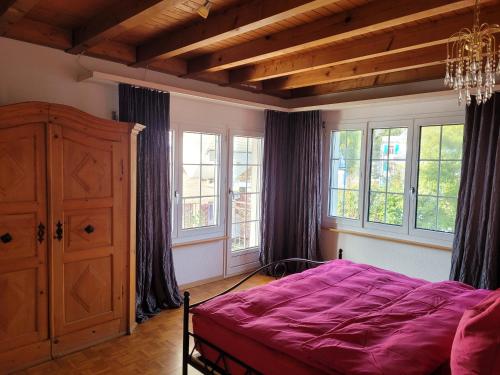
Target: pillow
pixel 476 347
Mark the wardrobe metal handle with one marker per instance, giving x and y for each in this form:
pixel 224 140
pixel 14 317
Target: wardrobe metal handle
pixel 6 238
pixel 59 231
pixel 89 229
pixel 41 232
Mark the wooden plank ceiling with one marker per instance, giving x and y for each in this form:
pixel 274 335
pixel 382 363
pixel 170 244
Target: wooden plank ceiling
pixel 287 48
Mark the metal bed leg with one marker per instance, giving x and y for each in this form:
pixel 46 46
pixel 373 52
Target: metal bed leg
pixel 185 335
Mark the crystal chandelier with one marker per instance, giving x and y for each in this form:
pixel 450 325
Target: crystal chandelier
pixel 472 61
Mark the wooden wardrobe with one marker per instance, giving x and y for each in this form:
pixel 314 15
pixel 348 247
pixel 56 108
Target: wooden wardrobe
pixel 67 231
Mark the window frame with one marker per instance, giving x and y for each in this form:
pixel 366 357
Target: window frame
pixel 240 133
pixel 337 221
pixel 181 235
pixel 418 124
pixel 387 124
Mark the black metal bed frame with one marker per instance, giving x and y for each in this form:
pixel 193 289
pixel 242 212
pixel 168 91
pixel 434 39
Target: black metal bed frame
pixel 220 366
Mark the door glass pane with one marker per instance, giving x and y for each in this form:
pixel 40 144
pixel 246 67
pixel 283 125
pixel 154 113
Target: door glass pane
pixel 246 196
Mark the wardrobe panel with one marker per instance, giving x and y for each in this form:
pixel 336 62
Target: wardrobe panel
pixel 87 195
pixel 23 241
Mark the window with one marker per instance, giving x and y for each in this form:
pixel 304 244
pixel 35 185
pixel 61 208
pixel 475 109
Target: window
pixel 404 179
pixel 439 166
pixel 345 163
pixel 246 192
pixel 387 176
pixel 200 180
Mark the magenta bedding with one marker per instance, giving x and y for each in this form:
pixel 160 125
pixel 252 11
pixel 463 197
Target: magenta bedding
pixel 350 318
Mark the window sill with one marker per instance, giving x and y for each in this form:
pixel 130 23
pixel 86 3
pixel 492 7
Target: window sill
pixel 406 241
pixel 198 242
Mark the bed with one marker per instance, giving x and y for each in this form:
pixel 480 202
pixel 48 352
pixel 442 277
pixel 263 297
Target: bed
pixel 337 318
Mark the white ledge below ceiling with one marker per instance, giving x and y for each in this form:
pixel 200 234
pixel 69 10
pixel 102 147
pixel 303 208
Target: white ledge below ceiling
pixel 398 94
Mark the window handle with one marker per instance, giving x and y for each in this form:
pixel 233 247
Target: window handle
pixel 412 191
pixel 177 196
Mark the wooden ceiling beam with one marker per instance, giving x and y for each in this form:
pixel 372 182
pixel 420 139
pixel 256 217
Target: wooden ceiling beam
pixel 374 16
pixel 121 16
pixel 40 33
pixel 12 11
pixel 246 17
pixel 407 76
pixel 392 42
pixel 435 55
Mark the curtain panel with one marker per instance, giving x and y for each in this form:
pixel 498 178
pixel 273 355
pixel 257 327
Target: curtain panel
pixel 476 247
pixel 156 282
pixel 292 186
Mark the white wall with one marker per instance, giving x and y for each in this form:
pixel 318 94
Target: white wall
pixel 29 72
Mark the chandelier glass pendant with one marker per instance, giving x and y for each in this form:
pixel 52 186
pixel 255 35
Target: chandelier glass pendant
pixel 472 61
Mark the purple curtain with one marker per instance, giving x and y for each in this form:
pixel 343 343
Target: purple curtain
pixel 156 283
pixel 291 195
pixel 476 248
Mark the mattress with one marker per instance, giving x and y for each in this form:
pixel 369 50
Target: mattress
pixel 340 317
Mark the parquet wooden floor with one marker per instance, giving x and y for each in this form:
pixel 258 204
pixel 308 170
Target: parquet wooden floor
pixel 154 348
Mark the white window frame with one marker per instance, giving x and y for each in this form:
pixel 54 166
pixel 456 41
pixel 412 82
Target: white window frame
pixel 403 229
pixel 189 234
pixel 232 134
pixel 419 123
pixel 173 182
pixel 336 221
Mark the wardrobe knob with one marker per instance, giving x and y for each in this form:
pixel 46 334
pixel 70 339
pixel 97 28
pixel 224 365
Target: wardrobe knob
pixel 89 229
pixel 6 238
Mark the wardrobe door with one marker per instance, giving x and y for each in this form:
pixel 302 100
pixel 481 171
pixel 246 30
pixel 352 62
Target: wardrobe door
pixel 88 227
pixel 23 247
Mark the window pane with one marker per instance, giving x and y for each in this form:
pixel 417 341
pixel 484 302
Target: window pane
pixel 394 214
pixel 397 143
pixel 337 174
pixel 377 207
pixel 191 143
pixel 353 139
pixel 239 207
pixel 191 181
pixel 237 236
pixel 240 150
pixel 450 178
pixel 240 178
pixel 200 178
pixel 453 137
pixel 428 172
pixel 439 180
pixel 429 142
pixel 190 213
pixel 352 174
pixel 210 149
pixel 336 203
pixel 378 176
pixel 253 203
pixel 351 208
pixel 380 144
pixel 255 146
pixel 208 180
pixel 253 234
pixel 208 211
pixel 345 164
pixel 447 212
pixel 426 212
pixel 253 178
pixel 396 177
